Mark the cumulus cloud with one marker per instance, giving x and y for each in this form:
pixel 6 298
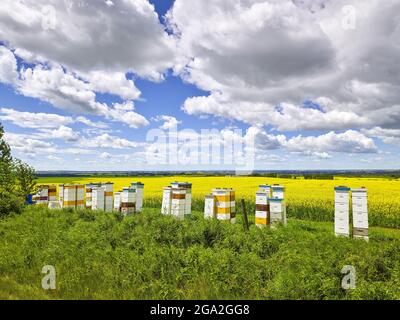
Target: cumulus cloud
pixel 90 35
pixel 260 60
pixel 8 66
pixel 34 120
pixel 349 142
pixel 66 91
pixel 124 113
pixel 389 136
pixel 63 133
pixel 169 122
pixel 108 141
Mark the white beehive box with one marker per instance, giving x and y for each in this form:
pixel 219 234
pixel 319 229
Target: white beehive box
pixel 360 213
pixel 209 207
pixel 225 204
pixel 178 203
pixel 166 201
pixel 72 196
pixel 108 196
pixel 262 209
pixel 98 198
pixel 277 209
pixel 139 195
pixel 265 188
pixel 278 192
pixel 342 211
pixel 128 201
pixel 117 201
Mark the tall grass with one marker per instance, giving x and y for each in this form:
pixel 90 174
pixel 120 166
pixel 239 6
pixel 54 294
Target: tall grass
pixel 100 255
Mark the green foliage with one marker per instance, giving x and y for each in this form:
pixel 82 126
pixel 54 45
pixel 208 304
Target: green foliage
pixel 17 180
pixel 101 255
pixel 25 178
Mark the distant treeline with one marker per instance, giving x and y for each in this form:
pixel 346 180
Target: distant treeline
pixel 320 175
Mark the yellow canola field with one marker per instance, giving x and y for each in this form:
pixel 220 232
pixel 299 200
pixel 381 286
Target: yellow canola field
pixel 305 197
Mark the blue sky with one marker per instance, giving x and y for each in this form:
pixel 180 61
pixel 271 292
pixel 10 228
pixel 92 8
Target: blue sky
pixel 67 105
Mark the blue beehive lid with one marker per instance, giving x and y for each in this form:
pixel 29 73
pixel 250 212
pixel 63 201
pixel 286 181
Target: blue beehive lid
pixel 342 188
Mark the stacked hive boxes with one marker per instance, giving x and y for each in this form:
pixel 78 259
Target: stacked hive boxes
pixel 89 189
pixel 177 200
pixel 210 207
pixel 360 213
pixel 166 201
pixel 278 192
pixel 117 201
pixel 139 195
pixel 178 203
pixel 45 194
pixel 224 204
pixel 262 206
pixel 107 198
pixel 342 204
pixel 72 195
pixel 128 201
pixel 277 205
pixel 188 195
pixel 98 198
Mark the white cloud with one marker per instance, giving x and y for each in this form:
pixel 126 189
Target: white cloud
pixel 124 113
pixel 169 122
pixel 114 83
pixel 261 59
pixel 8 66
pixel 33 120
pixel 348 142
pixel 108 141
pixel 63 133
pixel 90 35
pixel 106 155
pixel 62 89
pixel 390 136
pixel 65 91
pixel 90 123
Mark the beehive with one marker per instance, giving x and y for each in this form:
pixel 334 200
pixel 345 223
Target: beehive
pixel 262 209
pixel 278 192
pixel 128 201
pixel 108 196
pixel 178 203
pixel 265 188
pixel 42 195
pixel 117 201
pixel 225 204
pixel 45 194
pixel 277 209
pixel 166 201
pixel 360 213
pixel 89 188
pixel 52 193
pixel 209 207
pixel 342 211
pixel 98 198
pixel 188 195
pixel 72 196
pixel 139 195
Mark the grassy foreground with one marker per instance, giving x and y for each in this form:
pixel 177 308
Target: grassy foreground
pixel 150 256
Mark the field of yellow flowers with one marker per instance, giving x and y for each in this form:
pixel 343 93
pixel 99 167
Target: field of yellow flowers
pixel 306 199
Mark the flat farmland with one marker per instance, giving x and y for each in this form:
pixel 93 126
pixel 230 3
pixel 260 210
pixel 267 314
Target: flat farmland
pixel 307 199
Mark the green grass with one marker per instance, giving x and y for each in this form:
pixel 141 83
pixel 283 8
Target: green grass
pixel 150 256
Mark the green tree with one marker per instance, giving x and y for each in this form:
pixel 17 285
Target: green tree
pixel 25 178
pixel 16 180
